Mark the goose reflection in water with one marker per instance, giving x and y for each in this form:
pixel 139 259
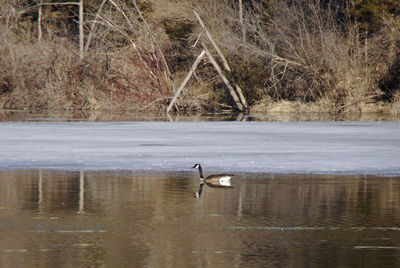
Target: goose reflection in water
pixel 212 185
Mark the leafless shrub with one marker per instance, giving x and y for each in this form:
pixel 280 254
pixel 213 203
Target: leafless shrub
pixel 298 51
pixel 122 69
pixel 293 50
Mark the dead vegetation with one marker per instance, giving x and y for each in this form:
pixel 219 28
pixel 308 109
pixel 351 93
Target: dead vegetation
pixel 293 55
pixel 299 52
pixel 122 69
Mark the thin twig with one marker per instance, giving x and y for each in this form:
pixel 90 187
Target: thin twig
pixel 164 61
pixel 155 101
pixel 93 25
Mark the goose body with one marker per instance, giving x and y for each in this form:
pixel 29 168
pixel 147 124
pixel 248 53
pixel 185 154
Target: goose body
pixel 216 179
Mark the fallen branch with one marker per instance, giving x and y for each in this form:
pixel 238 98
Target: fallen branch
pixel 241 96
pixel 151 103
pixel 191 71
pixel 224 61
pixel 366 98
pixel 224 79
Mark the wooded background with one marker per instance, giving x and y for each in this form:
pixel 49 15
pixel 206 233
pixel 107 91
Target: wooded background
pixel 312 55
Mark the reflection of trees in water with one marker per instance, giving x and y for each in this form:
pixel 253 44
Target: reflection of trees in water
pixel 327 199
pixel 124 206
pixel 302 196
pixel 41 190
pixel 153 219
pixel 51 190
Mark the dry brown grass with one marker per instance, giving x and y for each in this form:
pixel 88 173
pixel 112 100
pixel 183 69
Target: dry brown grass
pixel 395 107
pixel 296 57
pixel 301 56
pixel 49 74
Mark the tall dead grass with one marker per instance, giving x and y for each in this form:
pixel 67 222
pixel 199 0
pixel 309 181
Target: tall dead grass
pixel 295 52
pixel 300 51
pixel 122 69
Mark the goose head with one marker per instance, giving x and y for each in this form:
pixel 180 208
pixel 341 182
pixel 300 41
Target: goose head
pixel 196 166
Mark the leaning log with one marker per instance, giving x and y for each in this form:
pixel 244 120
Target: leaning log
pixel 203 26
pixel 183 84
pixel 225 80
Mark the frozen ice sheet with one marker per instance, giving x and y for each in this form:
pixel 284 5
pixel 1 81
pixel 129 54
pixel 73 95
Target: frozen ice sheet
pixel 276 147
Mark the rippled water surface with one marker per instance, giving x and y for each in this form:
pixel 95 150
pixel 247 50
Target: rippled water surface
pixel 153 219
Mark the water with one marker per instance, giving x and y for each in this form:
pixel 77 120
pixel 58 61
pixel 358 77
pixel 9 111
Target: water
pixel 60 218
pixel 121 194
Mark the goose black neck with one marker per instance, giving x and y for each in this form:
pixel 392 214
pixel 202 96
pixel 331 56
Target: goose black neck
pixel 201 172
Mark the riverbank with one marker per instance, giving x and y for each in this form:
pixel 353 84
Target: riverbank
pixel 145 116
pixel 134 57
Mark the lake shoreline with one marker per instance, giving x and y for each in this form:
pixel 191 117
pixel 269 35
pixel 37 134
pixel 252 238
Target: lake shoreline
pixel 275 114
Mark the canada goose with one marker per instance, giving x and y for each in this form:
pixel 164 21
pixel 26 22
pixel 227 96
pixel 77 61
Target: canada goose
pixel 216 180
